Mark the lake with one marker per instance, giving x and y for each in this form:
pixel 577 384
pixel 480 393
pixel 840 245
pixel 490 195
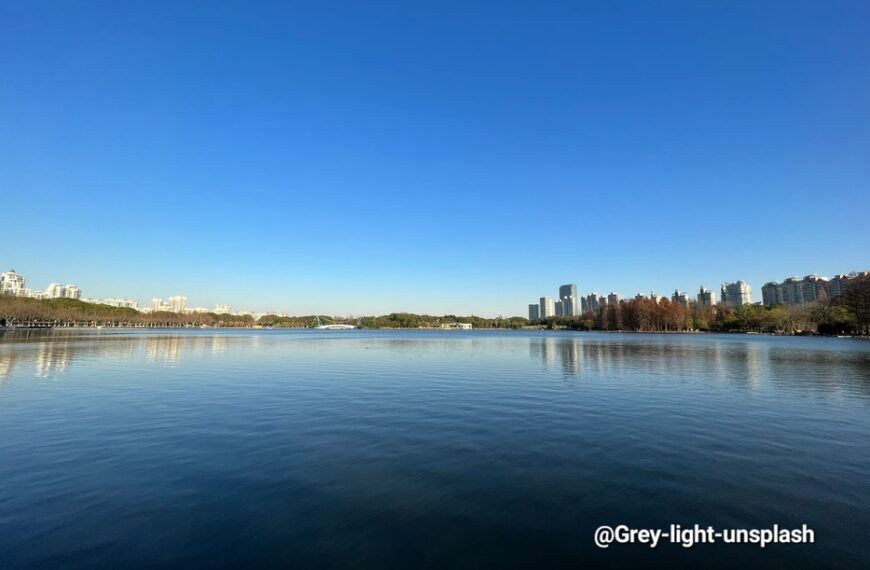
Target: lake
pixel 427 449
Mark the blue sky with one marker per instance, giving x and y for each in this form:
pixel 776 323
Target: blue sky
pixel 366 157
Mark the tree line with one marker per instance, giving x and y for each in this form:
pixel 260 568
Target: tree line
pixel 414 321
pixel 24 311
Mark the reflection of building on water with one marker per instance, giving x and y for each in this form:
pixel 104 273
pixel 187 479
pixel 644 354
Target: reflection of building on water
pixel 116 348
pixel 539 349
pixel 52 358
pixel 219 344
pixel 567 351
pixel 747 365
pixel 52 353
pixel 164 348
pixel 569 355
pixel 170 348
pixel 742 362
pixel 6 364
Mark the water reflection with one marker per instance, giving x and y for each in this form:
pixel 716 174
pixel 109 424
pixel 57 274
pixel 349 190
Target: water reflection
pixel 164 349
pixel 740 361
pixel 566 352
pixel 51 353
pixel 52 358
pixel 827 366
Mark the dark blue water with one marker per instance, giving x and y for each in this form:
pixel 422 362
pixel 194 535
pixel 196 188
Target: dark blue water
pixel 421 449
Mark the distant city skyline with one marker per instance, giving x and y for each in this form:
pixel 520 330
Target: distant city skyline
pixel 429 158
pixel 569 302
pixel 791 291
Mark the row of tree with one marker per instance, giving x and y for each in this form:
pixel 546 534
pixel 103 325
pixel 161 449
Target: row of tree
pixel 24 311
pixel 414 321
pixel 848 314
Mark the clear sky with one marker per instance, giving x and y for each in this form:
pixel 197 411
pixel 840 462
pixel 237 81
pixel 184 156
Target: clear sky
pixel 441 157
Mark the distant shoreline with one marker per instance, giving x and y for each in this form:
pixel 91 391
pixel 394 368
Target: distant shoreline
pixel 92 328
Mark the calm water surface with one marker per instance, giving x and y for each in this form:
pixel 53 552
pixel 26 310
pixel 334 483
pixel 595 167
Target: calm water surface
pixel 422 449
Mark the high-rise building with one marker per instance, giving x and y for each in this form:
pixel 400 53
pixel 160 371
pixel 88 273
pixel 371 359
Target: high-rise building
pixel 613 298
pixel 534 312
pixel 12 283
pixel 814 288
pixel 792 292
pixel 70 291
pixel 569 307
pixel 177 304
pixel 681 298
pixel 568 295
pixel 771 294
pixel 54 291
pixel 595 301
pixel 560 312
pixel 548 309
pixel 706 297
pixel 736 294
pixel 838 285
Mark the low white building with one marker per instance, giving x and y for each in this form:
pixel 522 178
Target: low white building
pixel 123 303
pixel 460 326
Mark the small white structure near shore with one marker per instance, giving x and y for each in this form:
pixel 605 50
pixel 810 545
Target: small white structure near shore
pixel 459 326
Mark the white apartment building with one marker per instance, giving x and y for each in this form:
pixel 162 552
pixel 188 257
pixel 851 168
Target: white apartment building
pixel 123 303
pixel 548 308
pixel 54 291
pixel 736 294
pixel 12 283
pixel 177 304
pixel 70 291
